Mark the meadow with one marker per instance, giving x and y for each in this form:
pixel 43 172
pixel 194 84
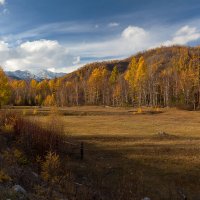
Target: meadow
pixel 128 154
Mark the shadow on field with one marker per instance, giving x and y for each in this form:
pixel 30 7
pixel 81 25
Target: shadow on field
pixel 136 167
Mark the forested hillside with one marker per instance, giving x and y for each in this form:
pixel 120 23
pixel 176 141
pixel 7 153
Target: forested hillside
pixel 166 76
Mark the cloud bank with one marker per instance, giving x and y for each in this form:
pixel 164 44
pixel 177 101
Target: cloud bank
pixel 133 39
pixel 183 36
pixel 36 55
pixel 57 56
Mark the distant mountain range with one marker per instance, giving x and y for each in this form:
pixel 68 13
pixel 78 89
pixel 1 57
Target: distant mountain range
pixel 27 75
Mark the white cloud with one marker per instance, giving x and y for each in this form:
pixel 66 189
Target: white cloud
pixel 131 40
pixel 77 61
pixel 134 39
pixel 40 45
pixel 134 32
pixel 2 2
pixel 50 54
pixel 36 55
pixel 4 51
pixel 183 36
pixel 53 69
pixel 3 46
pixel 113 24
pixel 186 30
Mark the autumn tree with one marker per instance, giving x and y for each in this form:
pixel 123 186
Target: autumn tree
pixel 140 79
pixel 33 92
pixel 114 75
pixel 136 76
pixel 97 83
pixel 130 78
pixel 21 92
pixel 49 101
pixel 114 88
pixel 5 91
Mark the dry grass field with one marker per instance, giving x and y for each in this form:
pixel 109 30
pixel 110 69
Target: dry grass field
pixel 130 155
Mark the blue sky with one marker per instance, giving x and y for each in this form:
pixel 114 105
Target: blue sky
pixel 62 35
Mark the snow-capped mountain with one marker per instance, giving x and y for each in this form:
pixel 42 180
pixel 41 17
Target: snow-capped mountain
pixel 27 75
pixel 46 74
pixel 20 75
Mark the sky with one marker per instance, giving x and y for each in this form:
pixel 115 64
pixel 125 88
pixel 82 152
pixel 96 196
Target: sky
pixel 62 35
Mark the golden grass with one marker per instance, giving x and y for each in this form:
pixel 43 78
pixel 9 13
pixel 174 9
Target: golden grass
pixel 122 148
pixel 130 144
pixel 181 123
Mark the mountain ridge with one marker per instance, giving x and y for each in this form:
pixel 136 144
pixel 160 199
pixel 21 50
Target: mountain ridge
pixel 39 76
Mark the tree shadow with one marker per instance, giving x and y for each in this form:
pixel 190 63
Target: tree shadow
pixel 135 167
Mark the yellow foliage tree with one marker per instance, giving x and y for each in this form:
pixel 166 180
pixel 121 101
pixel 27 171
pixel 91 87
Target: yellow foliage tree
pixel 141 76
pixel 5 91
pixel 141 72
pixel 135 76
pixel 114 75
pixel 96 83
pixel 49 101
pixel 131 73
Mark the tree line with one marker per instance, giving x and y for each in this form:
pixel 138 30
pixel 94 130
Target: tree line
pixel 159 78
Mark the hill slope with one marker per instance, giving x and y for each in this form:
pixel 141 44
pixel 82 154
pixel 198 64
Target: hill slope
pixel 164 56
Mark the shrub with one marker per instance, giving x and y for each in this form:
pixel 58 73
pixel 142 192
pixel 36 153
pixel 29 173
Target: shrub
pixel 139 111
pixel 52 172
pixel 38 138
pixel 15 156
pixel 34 137
pixel 7 120
pixel 51 168
pixel 4 177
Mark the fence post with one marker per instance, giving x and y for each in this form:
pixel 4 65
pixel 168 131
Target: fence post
pixel 82 151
